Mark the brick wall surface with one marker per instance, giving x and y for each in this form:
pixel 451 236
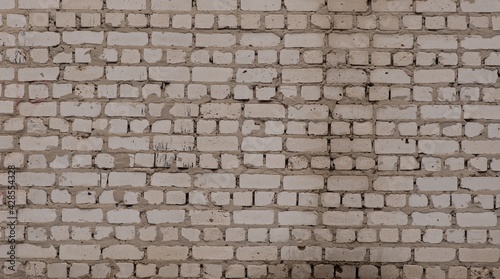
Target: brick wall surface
pixel 251 138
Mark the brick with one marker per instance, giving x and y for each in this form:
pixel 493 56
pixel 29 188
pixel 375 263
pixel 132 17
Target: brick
pixel 170 5
pixel 346 76
pixel 310 6
pixel 171 39
pixel 345 254
pixel 352 112
pixel 122 252
pixel 40 39
pixel 393 183
pixel 80 109
pixel 165 216
pixel 6 74
pixel 7 142
pixel 303 182
pixel 348 5
pixel 127 39
pixel 135 179
pixel 259 39
pixel 264 111
pixel 349 41
pixel 82 144
pixel 253 217
pixel 169 73
pixel 438 184
pixel 37 5
pixel 480 6
pixel 390 254
pixel 123 216
pixel 294 253
pixel 30 251
pixel 36 179
pixel 437 41
pixel 343 219
pixel 477 76
pixel 38 143
pixel 309 40
pixel 40 215
pixel 38 74
pixel 308 112
pixel 259 181
pixel 37 109
pixel 261 5
pixel 393 41
pixel 434 76
pixel 79 252
pixel 221 143
pixel 125 109
pixel 7 4
pixel 395 146
pixel 481 112
pixel 74 73
pixel 436 219
pixel 86 179
pixel 224 5
pixel 210 217
pixel 211 74
pixel 79 5
pixel 256 75
pixel 262 144
pixel 260 253
pixel 167 253
pixel 126 4
pixel 129 143
pixel 297 218
pixel 431 254
pixel 480 183
pixel 215 40
pixel 213 252
pixel 181 180
pixel 127 73
pixel 440 112
pixel 483 219
pixel 347 183
pixel 438 146
pixel 392 6
pixel 82 215
pixel 82 37
pixel 480 146
pixel 479 42
pixel 301 75
pixel 215 180
pixel 307 145
pixel 406 112
pixel 396 218
pixel 391 76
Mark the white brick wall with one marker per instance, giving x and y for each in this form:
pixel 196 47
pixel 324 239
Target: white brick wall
pixel 251 138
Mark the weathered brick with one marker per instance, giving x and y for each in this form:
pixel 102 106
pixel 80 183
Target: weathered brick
pixel 345 254
pixel 165 216
pixel 82 215
pixel 122 252
pixel 431 254
pixel 343 219
pixel 79 252
pixel 485 255
pixel 167 253
pixel 253 217
pixel 390 254
pixel 258 253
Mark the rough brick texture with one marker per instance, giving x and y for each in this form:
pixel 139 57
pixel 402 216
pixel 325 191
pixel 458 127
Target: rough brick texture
pixel 252 138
